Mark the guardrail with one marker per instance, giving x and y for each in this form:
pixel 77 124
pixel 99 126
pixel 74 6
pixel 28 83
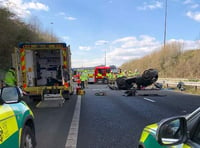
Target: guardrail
pixel 167 82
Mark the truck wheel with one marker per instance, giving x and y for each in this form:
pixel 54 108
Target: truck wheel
pixel 27 138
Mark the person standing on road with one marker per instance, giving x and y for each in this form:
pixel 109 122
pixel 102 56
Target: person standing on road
pixel 83 78
pixel 10 77
pixel 109 77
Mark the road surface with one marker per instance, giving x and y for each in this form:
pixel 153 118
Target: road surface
pixel 110 121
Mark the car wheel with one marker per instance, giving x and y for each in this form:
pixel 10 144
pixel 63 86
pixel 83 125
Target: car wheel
pixel 27 139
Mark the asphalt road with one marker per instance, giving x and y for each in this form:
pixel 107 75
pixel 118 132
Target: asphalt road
pixel 110 121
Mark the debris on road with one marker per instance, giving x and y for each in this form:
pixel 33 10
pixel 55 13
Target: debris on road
pixel 100 93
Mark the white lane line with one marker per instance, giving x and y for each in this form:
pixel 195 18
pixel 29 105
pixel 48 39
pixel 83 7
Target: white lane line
pixel 72 137
pixel 96 89
pixel 149 100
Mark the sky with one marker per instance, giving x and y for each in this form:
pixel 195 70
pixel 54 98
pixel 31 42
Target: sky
pixel 113 32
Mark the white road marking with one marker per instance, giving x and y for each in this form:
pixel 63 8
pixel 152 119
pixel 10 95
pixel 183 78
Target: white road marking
pixel 72 137
pixel 98 89
pixel 184 111
pixel 149 100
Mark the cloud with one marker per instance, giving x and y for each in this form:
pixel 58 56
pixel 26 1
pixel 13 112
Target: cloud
pixel 77 63
pixel 143 40
pixel 35 6
pixel 85 48
pixel 125 39
pixel 122 50
pixel 187 2
pixel 66 17
pixel 193 15
pixel 187 44
pixel 101 42
pixel 70 18
pixel 23 9
pixel 61 13
pixel 154 5
pixel 125 49
pixel 192 4
pixel 128 48
pixel 65 39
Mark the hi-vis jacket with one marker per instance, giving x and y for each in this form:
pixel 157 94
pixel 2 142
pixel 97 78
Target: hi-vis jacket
pixel 10 78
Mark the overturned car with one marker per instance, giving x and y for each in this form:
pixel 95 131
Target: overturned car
pixel 148 77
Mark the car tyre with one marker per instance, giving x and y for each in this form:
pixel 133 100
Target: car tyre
pixel 28 138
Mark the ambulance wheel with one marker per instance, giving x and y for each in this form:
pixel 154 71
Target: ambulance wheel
pixel 28 138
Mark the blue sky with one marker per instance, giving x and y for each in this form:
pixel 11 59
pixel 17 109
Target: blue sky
pixel 123 29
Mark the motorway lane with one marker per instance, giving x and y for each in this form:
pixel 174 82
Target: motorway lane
pixel 52 124
pixel 117 121
pixel 109 121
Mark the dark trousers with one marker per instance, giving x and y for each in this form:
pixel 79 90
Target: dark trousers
pixel 82 84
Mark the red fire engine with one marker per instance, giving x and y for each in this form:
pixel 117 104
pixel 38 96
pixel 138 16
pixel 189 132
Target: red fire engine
pixel 100 73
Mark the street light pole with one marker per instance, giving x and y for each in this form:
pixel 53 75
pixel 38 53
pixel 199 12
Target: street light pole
pixel 165 27
pixel 105 57
pixel 105 43
pixel 51 32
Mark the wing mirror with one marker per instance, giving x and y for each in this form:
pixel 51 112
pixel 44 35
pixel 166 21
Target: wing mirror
pixel 10 95
pixel 172 131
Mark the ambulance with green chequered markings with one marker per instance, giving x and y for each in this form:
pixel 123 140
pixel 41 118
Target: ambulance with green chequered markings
pixel 17 128
pixel 174 132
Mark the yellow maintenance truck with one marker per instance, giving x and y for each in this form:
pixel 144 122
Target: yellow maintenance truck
pixel 44 69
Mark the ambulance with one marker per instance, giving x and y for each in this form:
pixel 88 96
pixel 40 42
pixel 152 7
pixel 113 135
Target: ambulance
pixel 44 68
pixel 17 128
pixel 175 132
